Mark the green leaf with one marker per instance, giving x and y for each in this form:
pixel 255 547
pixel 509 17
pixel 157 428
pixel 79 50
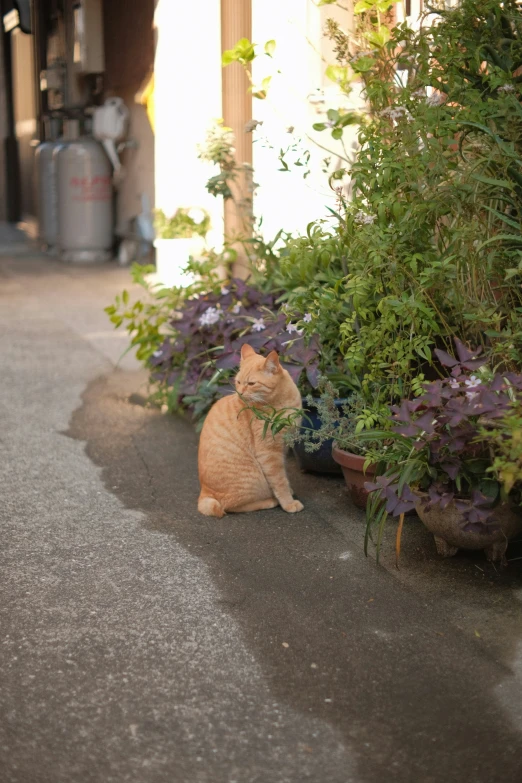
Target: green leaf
pixel 500 238
pixel 333 115
pixel 270 47
pixel 229 56
pixel 362 6
pixel 380 37
pixel 499 183
pixel 337 73
pixel 351 118
pixel 125 297
pixel 337 133
pixel 505 218
pixel 319 126
pixel 363 64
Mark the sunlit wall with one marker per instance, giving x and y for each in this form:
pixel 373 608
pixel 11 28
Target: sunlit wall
pixel 187 97
pixel 299 96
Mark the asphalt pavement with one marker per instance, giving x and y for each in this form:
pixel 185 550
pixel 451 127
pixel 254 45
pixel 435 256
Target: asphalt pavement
pixel 143 642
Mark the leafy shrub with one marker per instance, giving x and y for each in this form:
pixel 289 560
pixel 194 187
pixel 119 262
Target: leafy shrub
pixel 184 224
pixel 459 441
pixel 430 248
pixel 195 363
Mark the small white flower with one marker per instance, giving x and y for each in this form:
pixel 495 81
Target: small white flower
pixel 472 382
pixel 210 316
pixel 362 217
pixel 291 328
pixel 396 112
pixel 420 93
pixel 237 308
pixel 470 395
pixel 157 353
pixel 258 325
pixel 435 99
pixel 224 290
pixel 307 317
pixel 506 88
pixel 454 383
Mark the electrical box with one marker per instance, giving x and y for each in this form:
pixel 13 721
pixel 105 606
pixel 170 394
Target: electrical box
pixel 88 53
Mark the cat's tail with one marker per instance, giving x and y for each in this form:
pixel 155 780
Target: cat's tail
pixel 210 507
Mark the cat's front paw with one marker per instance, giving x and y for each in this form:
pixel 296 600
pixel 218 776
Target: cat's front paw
pixel 293 507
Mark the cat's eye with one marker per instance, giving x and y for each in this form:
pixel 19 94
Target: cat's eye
pixel 251 383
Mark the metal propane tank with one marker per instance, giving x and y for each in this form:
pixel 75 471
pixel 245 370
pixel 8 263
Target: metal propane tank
pixel 46 195
pixel 85 199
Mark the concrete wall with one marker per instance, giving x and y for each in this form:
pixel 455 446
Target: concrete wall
pixel 129 59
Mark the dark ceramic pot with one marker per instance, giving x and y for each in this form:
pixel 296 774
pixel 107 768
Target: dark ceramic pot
pixel 352 466
pixel 320 461
pixel 447 527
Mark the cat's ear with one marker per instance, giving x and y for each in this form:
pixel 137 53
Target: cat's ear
pixel 272 363
pixel 246 351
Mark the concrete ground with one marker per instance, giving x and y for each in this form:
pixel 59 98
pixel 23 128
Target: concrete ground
pixel 142 642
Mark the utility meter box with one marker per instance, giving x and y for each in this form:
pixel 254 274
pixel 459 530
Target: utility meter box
pixel 88 53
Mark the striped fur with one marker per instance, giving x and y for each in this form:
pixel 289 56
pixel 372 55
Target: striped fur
pixel 239 470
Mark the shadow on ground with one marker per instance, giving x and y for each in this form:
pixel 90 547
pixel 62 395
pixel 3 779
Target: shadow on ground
pixel 410 666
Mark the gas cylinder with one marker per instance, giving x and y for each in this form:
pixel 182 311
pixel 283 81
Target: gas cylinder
pixel 85 199
pixel 46 201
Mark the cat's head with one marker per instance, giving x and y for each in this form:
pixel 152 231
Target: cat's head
pixel 259 376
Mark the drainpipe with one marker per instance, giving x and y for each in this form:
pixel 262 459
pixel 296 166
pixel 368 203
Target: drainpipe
pixel 236 23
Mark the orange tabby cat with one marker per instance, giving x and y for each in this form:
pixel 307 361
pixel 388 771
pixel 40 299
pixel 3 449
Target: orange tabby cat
pixel 239 470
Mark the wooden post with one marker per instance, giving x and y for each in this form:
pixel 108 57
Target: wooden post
pixel 236 23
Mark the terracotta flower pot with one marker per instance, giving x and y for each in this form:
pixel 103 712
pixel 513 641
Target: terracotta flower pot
pixel 447 528
pixel 352 467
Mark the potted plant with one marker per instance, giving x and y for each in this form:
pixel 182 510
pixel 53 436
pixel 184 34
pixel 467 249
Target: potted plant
pixel 455 456
pixel 321 459
pixel 177 238
pixel 340 422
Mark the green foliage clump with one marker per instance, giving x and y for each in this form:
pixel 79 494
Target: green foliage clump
pixel 430 246
pixel 184 224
